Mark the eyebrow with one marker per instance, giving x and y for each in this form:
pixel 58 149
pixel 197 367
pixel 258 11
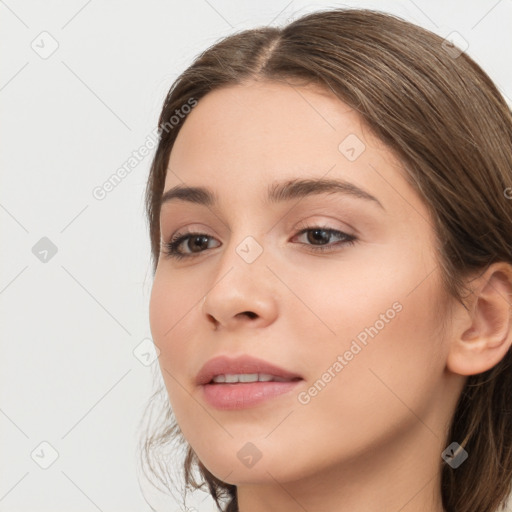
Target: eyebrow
pixel 276 193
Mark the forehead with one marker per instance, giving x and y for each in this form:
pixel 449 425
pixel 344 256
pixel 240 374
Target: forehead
pixel 263 122
pixel 241 138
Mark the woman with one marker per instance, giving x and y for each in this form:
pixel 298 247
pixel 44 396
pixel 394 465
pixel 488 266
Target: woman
pixel 331 231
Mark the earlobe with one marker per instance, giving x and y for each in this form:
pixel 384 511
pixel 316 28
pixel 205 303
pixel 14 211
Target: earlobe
pixel 482 335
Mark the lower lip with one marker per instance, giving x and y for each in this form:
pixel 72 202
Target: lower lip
pixel 242 395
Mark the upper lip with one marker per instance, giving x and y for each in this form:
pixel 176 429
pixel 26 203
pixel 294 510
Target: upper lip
pixel 222 365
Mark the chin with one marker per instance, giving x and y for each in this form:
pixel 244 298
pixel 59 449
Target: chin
pixel 248 464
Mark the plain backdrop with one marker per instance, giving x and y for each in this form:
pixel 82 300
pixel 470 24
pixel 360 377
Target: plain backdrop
pixel 81 86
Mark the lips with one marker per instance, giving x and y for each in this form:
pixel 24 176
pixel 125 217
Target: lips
pixel 223 365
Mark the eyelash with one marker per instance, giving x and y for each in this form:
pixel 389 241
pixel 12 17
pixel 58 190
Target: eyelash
pixel 171 247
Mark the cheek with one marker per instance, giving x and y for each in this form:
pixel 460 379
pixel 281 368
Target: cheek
pixel 169 316
pixel 381 321
pixel 165 310
pixel 162 309
pixel 396 360
pixel 174 298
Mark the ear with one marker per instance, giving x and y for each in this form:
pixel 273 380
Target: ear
pixel 482 334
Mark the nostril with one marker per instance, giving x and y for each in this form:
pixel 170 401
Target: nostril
pixel 250 314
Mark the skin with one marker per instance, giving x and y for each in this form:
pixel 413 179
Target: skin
pixel 371 439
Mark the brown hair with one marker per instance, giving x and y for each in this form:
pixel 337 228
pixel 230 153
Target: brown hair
pixel 450 127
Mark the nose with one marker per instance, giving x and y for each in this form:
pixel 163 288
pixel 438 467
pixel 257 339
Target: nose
pixel 242 293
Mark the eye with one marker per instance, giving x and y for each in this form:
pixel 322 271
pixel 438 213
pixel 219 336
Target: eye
pixel 196 242
pixel 317 235
pixel 199 241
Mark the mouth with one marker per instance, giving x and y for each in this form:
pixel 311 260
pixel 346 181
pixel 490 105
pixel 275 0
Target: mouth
pixel 243 381
pixel 242 369
pixel 241 394
pixel 245 378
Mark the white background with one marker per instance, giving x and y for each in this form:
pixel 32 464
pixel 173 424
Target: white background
pixel 70 325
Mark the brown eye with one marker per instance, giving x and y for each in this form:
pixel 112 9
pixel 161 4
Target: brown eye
pixel 319 236
pixel 194 242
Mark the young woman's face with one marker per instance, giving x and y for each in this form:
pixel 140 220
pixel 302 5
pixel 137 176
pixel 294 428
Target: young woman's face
pixel 357 322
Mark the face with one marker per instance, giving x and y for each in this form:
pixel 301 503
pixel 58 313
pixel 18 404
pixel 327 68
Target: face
pixel 348 306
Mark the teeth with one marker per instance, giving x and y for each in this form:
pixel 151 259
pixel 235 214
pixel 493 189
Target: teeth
pixel 247 377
